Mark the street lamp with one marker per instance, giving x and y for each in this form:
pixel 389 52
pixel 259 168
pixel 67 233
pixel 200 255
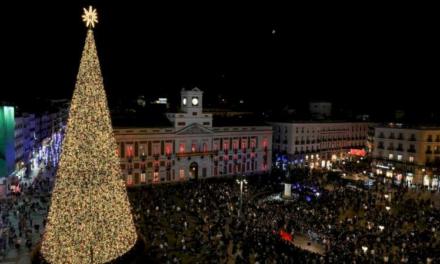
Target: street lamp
pixel 241 182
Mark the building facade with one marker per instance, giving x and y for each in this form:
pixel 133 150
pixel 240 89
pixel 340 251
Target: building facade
pixel 408 154
pixel 7 140
pixel 318 143
pixel 192 148
pixel 31 133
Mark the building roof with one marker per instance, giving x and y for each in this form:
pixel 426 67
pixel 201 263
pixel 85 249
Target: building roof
pixel 409 126
pixel 238 121
pixel 144 120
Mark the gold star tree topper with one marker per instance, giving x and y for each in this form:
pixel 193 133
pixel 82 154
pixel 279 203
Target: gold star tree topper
pixel 90 17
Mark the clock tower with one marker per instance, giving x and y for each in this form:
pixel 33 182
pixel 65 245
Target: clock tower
pixel 191 106
pixel 192 101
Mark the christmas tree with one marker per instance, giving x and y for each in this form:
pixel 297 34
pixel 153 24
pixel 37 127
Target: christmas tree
pixel 89 220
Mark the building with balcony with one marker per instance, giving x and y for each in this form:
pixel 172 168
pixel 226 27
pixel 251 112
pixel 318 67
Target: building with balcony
pixel 190 146
pixel 318 142
pixel 408 154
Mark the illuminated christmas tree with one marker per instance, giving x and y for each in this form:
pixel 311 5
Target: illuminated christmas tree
pixel 89 219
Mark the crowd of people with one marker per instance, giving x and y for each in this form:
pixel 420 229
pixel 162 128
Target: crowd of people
pixel 199 222
pixel 22 215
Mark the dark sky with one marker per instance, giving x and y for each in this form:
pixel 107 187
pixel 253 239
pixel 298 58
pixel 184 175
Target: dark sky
pixel 365 56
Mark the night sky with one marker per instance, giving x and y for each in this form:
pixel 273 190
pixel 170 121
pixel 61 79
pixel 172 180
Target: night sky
pixel 359 56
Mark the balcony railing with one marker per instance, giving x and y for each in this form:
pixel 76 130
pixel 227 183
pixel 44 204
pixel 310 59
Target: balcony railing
pixel 197 153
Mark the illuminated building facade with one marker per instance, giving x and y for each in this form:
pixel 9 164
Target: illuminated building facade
pixel 319 143
pixel 408 154
pixel 192 148
pixel 28 134
pixel 7 136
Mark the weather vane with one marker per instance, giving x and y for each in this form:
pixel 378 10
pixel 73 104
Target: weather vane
pixel 90 17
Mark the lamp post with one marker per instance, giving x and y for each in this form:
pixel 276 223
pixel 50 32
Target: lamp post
pixel 241 181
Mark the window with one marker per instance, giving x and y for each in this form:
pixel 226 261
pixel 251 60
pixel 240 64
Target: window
pixel 181 123
pixel 129 179
pixel 411 159
pixel 206 123
pixel 156 149
pixel 390 156
pixel 193 147
pixel 243 143
pixel 205 147
pixel 253 143
pixel 225 145
pixel 129 151
pixel 215 146
pixel 143 177
pixel 265 143
pixel 168 147
pixel 194 113
pixel 181 174
pixel 399 157
pixel 156 176
pixel 181 147
pixel 235 144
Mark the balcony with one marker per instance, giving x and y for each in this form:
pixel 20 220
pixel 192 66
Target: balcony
pixel 198 153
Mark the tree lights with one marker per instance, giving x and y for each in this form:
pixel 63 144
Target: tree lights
pixel 89 220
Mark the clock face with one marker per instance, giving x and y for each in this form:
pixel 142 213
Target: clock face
pixel 195 101
pixel 184 100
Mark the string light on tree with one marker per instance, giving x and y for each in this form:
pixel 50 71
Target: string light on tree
pixel 89 220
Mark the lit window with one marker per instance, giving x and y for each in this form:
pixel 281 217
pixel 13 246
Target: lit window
pixel 411 159
pixel 156 176
pixel 143 177
pixel 399 157
pixel 193 147
pixel 129 179
pixel 390 156
pixel 181 148
pixel 243 144
pixel 225 145
pixel 168 148
pixel 182 174
pixel 129 150
pixel 235 144
pixel 265 143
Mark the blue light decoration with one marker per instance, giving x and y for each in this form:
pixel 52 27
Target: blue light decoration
pixel 308 199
